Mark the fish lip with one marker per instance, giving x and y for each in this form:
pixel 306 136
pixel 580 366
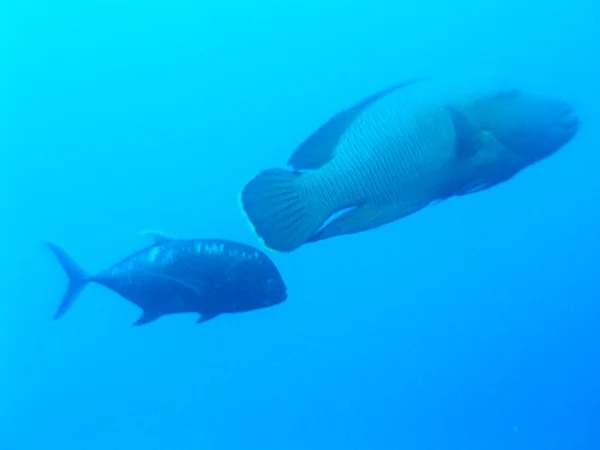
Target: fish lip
pixel 281 296
pixel 570 118
pixel 276 296
pixel 570 122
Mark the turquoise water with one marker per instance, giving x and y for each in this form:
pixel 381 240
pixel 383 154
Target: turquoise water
pixel 473 324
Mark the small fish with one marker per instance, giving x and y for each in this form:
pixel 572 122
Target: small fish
pixel 409 146
pixel 205 276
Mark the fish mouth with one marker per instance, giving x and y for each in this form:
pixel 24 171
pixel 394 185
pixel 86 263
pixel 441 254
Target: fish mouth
pixel 274 300
pixel 280 296
pixel 275 296
pixel 570 122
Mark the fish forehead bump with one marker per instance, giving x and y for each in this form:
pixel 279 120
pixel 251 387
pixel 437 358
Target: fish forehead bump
pixel 458 85
pixel 434 95
pixel 530 121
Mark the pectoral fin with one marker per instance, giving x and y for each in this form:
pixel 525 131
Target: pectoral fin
pixel 490 179
pixel 362 218
pixel 195 287
pixel 468 137
pixel 499 163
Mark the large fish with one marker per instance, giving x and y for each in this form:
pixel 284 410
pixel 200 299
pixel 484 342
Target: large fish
pixel 400 150
pixel 205 276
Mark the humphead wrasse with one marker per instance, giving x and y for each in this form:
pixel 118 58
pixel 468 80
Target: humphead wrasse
pixel 400 150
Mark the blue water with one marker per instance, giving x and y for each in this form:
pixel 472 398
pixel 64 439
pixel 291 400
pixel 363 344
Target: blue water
pixel 473 324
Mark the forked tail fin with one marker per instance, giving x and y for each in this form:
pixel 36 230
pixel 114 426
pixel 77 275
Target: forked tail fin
pixel 78 279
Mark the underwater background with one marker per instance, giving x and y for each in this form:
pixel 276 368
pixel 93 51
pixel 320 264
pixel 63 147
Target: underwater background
pixel 473 324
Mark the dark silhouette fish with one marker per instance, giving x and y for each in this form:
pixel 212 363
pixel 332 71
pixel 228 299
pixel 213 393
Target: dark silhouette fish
pixel 205 276
pixel 415 144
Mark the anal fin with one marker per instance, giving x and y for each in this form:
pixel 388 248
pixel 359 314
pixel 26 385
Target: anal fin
pixel 362 218
pixel 147 317
pixel 205 317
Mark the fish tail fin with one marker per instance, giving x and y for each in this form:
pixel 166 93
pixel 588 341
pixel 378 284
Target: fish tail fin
pixel 78 279
pixel 278 211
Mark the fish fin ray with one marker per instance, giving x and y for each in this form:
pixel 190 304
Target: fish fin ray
pixel 318 149
pixel 277 210
pixel 362 218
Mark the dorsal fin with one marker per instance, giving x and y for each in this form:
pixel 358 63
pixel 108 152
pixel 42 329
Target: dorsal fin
pixel 317 150
pixel 157 236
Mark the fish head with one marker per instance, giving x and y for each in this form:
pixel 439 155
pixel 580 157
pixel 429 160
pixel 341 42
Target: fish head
pixel 530 125
pixel 273 291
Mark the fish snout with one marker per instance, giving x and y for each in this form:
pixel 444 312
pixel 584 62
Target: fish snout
pixel 569 121
pixel 275 291
pixel 566 123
